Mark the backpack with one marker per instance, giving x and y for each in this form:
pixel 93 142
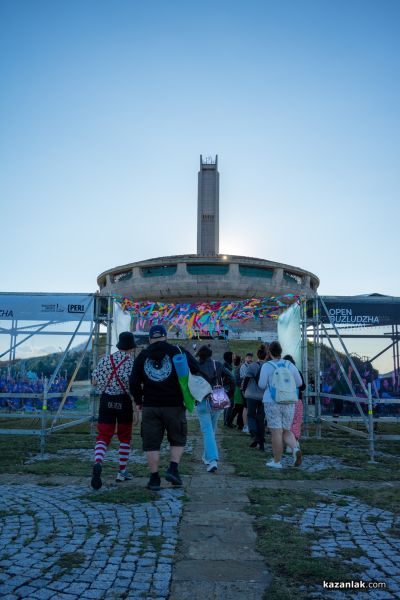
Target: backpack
pixel 282 385
pixel 219 399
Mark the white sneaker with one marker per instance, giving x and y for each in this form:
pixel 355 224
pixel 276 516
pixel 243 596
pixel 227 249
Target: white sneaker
pixel 297 457
pixel 273 464
pixel 212 466
pixel 123 476
pixel 245 429
pixel 204 460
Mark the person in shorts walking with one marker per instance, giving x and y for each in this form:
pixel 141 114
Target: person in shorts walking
pixel 155 387
pixel 279 416
pixel 111 376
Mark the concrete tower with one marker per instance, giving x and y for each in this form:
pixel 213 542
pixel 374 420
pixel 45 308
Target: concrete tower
pixel 208 208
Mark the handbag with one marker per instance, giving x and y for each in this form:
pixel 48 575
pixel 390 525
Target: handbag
pixel 219 399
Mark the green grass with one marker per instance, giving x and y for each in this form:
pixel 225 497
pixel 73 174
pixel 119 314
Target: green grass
pixel 387 498
pixel 8 513
pixel 47 484
pixel 126 495
pixel 15 455
pixel 394 531
pixel 351 451
pixel 287 551
pixel 70 466
pixel 373 519
pixel 152 543
pixel 242 347
pixel 70 560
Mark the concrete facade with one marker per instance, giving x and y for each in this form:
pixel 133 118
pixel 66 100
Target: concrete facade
pixel 208 208
pixel 193 278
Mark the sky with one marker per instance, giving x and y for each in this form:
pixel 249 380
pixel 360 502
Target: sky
pixel 106 107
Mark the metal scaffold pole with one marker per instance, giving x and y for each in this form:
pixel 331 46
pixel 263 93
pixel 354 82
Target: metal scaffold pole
pixel 371 432
pixel 95 360
pixel 109 324
pixel 44 417
pixel 304 366
pixel 317 369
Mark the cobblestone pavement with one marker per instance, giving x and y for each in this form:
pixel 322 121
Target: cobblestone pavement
pixel 54 543
pixel 364 533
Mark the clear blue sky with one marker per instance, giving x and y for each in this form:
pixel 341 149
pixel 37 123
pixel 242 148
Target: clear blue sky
pixel 106 106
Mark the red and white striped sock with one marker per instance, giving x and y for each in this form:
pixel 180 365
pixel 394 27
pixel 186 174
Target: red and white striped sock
pixel 99 451
pixel 123 455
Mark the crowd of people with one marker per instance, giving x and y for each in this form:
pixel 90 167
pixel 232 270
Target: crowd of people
pixel 148 390
pixel 22 384
pixel 382 390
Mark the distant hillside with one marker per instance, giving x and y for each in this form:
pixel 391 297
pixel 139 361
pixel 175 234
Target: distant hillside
pixel 45 365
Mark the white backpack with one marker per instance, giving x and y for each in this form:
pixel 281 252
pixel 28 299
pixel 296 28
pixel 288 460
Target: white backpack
pixel 282 385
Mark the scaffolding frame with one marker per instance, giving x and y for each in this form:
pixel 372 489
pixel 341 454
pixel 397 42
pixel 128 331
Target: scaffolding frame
pixel 320 326
pixel 100 316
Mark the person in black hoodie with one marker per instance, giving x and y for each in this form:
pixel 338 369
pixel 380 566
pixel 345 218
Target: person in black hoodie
pixel 155 387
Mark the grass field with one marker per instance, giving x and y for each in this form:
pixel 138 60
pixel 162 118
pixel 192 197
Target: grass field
pixel 16 450
pixel 351 451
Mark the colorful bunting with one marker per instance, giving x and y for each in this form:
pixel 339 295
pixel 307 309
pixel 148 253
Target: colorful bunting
pixel 205 317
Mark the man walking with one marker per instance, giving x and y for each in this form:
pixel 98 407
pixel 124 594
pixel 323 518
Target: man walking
pixel 112 379
pixel 280 414
pixel 155 387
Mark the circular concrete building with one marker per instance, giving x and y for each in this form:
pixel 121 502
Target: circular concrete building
pixel 194 278
pixel 208 275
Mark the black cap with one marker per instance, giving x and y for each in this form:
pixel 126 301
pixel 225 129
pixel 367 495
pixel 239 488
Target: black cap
pixel 204 352
pixel 157 331
pixel 126 341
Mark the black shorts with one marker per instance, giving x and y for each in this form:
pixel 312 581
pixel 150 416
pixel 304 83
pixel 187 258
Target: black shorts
pixel 115 409
pixel 156 420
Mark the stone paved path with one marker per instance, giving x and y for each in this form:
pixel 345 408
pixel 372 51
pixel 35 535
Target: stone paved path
pixel 56 544
pixel 217 554
pixel 123 551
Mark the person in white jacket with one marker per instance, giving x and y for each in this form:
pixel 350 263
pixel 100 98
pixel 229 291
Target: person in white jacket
pixel 279 416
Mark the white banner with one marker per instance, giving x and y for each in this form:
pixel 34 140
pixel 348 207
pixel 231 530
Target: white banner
pixel 121 322
pixel 46 307
pixel 289 333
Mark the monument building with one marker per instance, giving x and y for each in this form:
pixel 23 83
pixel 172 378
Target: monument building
pixel 208 275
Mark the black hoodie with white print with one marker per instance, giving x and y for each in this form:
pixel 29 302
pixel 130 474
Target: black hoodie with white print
pixel 153 381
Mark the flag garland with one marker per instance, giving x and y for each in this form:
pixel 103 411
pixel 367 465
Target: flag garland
pixel 205 317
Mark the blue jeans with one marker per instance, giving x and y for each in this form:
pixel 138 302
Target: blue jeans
pixel 208 425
